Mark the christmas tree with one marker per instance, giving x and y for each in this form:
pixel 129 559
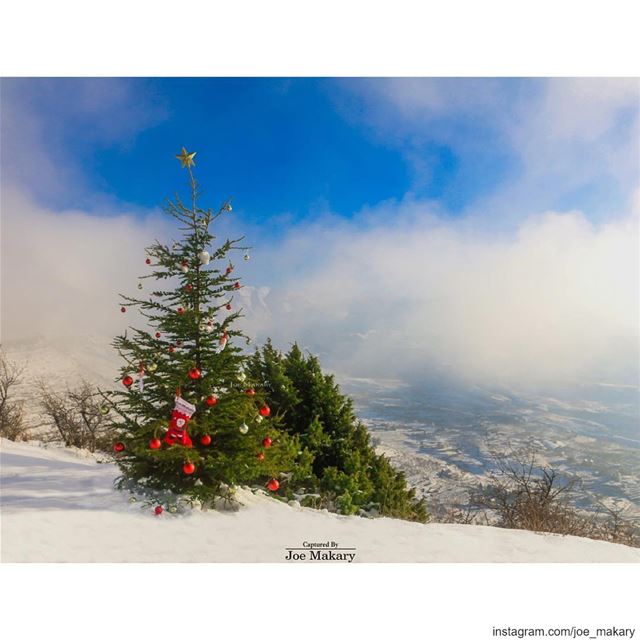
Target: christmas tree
pixel 189 419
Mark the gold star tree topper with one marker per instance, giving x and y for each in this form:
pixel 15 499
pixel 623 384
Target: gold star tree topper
pixel 186 158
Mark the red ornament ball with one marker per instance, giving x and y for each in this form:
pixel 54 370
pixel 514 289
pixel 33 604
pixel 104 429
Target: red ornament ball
pixel 264 411
pixel 148 260
pixel 158 510
pixel 123 309
pixel 250 392
pixel 211 400
pixel 273 485
pixel 184 263
pixel 171 348
pixel 236 285
pixel 188 468
pixel 158 334
pixel 154 443
pixel 180 310
pixel 194 373
pixel 260 456
pixel 229 270
pixel 127 381
pixel 179 343
pixel 228 307
pixel 188 288
pixel 118 447
pixel 266 443
pixel 205 440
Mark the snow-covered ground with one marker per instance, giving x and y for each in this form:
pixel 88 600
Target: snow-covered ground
pixel 59 505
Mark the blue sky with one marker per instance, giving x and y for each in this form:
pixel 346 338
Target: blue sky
pixel 481 228
pixel 288 149
pixel 276 145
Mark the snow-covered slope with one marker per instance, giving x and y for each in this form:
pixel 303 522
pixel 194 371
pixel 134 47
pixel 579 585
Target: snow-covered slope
pixel 60 364
pixel 59 505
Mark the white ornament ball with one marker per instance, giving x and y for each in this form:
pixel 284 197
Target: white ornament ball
pixel 204 257
pixel 243 428
pixel 259 418
pixel 184 268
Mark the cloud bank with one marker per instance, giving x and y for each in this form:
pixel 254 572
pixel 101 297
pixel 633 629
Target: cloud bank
pixel 557 301
pixel 397 292
pixel 61 271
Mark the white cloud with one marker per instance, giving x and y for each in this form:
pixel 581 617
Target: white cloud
pixel 391 294
pixel 556 302
pixel 61 271
pixel 52 126
pixel 563 136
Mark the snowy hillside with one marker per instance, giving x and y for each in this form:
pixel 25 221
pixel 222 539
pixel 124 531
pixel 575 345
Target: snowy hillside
pixel 59 505
pixel 61 363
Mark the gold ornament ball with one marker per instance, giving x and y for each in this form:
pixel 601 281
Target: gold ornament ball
pixel 243 428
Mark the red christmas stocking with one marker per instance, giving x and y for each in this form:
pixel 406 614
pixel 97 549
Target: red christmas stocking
pixel 177 432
